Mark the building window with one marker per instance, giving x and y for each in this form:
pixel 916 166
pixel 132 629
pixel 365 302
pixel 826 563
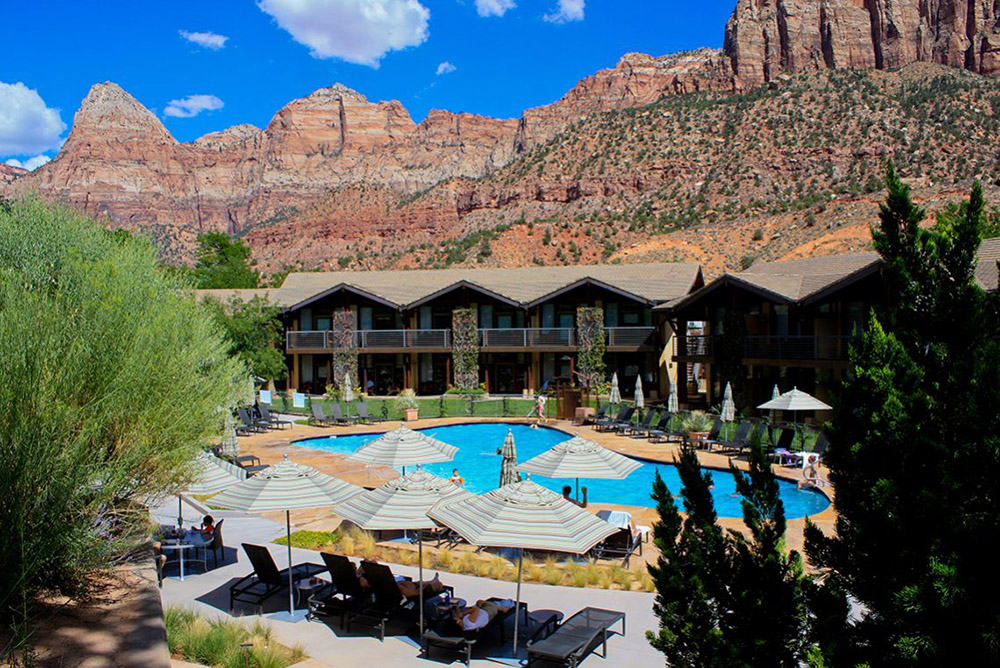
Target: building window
pixel 611 314
pixel 486 316
pixel 781 320
pixel 365 316
pixel 425 318
pixel 548 315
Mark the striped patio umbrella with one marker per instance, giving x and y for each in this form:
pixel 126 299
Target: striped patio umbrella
pixel 508 467
pixel 211 475
pixel 672 403
pixel 795 400
pixel 728 412
pixel 523 516
pixel 402 504
pixel 640 400
pixel 286 486
pixel 404 447
pixel 580 458
pixel 616 395
pixel 348 393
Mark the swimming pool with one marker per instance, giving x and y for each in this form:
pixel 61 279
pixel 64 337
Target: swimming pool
pixel 478 462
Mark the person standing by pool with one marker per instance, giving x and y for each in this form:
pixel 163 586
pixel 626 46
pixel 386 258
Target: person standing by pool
pixel 457 478
pixel 539 410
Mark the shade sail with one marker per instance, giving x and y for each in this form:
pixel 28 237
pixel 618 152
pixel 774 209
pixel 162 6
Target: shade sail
pixel 580 458
pixel 212 475
pixel 401 504
pixel 286 486
pixel 523 515
pixel 728 412
pixel 404 447
pixel 795 400
pixel 508 465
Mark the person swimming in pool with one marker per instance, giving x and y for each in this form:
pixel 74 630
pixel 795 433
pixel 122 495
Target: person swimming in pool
pixel 457 478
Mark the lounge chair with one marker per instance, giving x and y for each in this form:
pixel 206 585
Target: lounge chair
pixel 668 428
pixel 386 600
pixel 364 417
pixel 783 448
pixel 319 417
pixel 265 415
pixel 713 434
pixel 249 463
pixel 337 415
pixel 452 639
pixel 819 449
pixel 741 440
pixel 605 421
pixel 266 580
pixel 624 419
pixel 591 419
pixel 576 638
pixel 642 427
pixel 345 593
pixel 249 423
pixel 621 544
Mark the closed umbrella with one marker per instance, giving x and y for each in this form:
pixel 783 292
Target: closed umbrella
pixel 616 395
pixel 672 403
pixel 508 466
pixel 286 486
pixel 728 412
pixel 580 458
pixel 230 446
pixel 402 504
pixel 348 393
pixel 404 447
pixel 523 516
pixel 640 400
pixel 211 476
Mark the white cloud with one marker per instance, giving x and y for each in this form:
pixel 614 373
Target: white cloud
pixel 568 10
pixel 358 31
pixel 31 164
pixel 494 7
pixel 27 124
pixel 208 40
pixel 192 105
pixel 445 68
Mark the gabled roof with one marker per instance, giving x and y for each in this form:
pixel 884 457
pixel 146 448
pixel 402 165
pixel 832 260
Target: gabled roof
pixel 986 270
pixel 650 283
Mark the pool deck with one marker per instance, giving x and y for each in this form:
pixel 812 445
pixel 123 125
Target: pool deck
pixel 271 446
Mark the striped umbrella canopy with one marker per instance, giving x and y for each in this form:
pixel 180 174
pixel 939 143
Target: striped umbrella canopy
pixel 286 486
pixel 672 403
pixel 211 475
pixel 616 395
pixel 795 400
pixel 404 447
pixel 640 400
pixel 348 388
pixel 402 504
pixel 580 458
pixel 508 467
pixel 523 516
pixel 728 412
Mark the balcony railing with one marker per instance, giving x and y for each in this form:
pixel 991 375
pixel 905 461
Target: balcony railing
pixel 371 339
pixel 524 337
pixel 697 345
pixel 797 347
pixel 630 337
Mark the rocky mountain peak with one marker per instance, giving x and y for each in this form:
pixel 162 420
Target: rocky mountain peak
pixel 109 109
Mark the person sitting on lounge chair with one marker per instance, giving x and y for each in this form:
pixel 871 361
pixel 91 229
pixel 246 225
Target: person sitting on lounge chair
pixel 411 589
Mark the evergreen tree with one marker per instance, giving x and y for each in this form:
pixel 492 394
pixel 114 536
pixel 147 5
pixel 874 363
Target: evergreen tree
pixel 914 457
pixel 253 332
pixel 223 263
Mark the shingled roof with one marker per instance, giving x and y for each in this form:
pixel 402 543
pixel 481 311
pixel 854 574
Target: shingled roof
pixel 522 286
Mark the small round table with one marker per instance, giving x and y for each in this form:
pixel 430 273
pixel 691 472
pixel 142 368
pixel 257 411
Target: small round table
pixel 305 587
pixel 540 619
pixel 438 609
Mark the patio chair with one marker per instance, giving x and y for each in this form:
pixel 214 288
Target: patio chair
pixel 668 428
pixel 249 463
pixel 249 423
pixel 642 427
pixel 364 417
pixel 265 414
pixel 621 544
pixel 386 600
pixel 456 640
pixel 619 417
pixel 319 416
pixel 741 440
pixel 576 638
pixel 713 434
pixel 783 448
pixel 337 415
pixel 216 546
pixel 266 580
pixel 624 419
pixel 344 594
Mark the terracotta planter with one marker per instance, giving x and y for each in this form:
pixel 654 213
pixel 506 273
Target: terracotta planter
pixel 410 414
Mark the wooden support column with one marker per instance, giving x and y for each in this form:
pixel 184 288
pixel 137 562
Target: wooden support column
pixel 295 372
pixel 447 372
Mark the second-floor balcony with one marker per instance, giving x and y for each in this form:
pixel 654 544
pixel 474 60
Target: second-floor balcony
pixel 528 337
pixel 370 339
pixel 797 348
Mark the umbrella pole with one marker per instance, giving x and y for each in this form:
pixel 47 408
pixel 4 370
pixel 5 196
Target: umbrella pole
pixel 517 606
pixel 420 586
pixel 578 490
pixel 180 511
pixel 291 589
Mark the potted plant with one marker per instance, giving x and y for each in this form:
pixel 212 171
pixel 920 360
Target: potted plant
pixel 697 424
pixel 406 402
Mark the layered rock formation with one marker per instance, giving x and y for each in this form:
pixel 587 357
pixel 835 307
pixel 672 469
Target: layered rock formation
pixel 8 173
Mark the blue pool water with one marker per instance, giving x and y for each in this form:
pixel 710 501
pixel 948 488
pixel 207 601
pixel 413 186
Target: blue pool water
pixel 478 462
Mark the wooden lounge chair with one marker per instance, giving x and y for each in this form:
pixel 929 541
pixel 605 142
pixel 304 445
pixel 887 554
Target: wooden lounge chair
pixel 319 417
pixel 464 642
pixel 266 580
pixel 621 544
pixel 576 638
pixel 265 415
pixel 345 593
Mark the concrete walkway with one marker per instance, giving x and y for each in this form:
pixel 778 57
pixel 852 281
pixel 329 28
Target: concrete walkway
pixel 208 593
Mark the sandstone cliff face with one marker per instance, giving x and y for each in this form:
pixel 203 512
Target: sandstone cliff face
pixel 768 37
pixel 8 173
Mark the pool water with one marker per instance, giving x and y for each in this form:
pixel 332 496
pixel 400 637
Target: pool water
pixel 478 462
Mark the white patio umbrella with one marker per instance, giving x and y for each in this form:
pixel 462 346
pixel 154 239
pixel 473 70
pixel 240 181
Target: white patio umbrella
pixel 508 465
pixel 211 476
pixel 348 393
pixel 286 486
pixel 795 400
pixel 640 400
pixel 580 458
pixel 672 403
pixel 404 447
pixel 400 505
pixel 728 412
pixel 523 516
pixel 616 396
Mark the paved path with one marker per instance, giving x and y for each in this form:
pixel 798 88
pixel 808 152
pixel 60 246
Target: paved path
pixel 208 593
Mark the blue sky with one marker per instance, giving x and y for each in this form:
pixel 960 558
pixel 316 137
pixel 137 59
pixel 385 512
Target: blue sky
pixel 243 59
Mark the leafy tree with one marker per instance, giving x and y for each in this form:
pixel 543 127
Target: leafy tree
pixel 914 457
pixel 112 379
pixel 223 263
pixel 253 332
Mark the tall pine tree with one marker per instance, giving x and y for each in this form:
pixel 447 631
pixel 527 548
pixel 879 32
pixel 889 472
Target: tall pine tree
pixel 914 453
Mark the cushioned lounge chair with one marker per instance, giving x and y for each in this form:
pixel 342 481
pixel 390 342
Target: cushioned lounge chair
pixel 576 638
pixel 266 580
